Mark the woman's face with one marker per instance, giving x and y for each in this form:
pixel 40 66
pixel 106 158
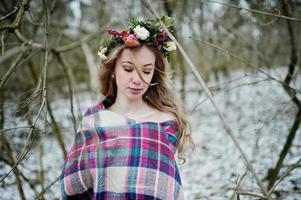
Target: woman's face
pixel 129 83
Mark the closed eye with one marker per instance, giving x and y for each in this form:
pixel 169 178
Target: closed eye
pixel 127 69
pixel 130 69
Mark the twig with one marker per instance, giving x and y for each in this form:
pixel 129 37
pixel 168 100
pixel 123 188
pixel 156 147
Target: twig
pixel 290 169
pixel 47 188
pixel 281 82
pixel 238 185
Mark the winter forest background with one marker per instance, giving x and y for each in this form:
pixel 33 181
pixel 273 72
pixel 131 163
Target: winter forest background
pixel 247 52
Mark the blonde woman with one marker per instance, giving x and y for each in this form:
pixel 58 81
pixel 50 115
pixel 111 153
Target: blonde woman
pixel 126 146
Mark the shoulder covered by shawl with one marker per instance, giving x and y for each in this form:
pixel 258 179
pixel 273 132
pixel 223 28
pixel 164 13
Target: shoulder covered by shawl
pixel 99 116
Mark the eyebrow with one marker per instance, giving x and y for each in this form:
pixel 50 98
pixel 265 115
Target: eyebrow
pixel 145 65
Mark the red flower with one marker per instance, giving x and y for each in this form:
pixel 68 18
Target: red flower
pixel 162 37
pixel 124 35
pixel 113 33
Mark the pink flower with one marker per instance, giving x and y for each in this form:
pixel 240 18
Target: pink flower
pixel 131 41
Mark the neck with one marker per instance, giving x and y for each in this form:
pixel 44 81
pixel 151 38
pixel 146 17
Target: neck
pixel 126 106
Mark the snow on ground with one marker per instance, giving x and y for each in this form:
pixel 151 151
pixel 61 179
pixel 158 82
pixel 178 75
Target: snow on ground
pixel 249 109
pixel 260 114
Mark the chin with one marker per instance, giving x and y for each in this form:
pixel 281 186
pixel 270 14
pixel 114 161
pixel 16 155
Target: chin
pixel 135 96
pixel 132 97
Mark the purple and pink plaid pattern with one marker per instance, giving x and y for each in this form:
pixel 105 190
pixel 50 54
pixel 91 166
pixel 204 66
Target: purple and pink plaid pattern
pixel 113 157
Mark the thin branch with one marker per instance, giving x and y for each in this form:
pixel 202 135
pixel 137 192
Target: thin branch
pixel 254 11
pixel 266 123
pixel 30 99
pixel 11 52
pixel 2 42
pixel 27 144
pixel 15 128
pixel 20 14
pixel 75 44
pixel 47 188
pixel 283 83
pixel 18 18
pixel 227 52
pixel 238 185
pixel 212 89
pixel 298 191
pixel 16 8
pixel 251 193
pixel 289 170
pixel 23 39
pixel 70 82
pixel 14 67
pixel 4 79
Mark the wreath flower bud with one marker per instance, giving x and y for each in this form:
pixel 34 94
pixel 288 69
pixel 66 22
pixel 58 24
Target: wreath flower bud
pixel 170 46
pixel 141 32
pixel 102 53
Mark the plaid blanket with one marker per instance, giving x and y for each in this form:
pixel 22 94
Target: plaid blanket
pixel 114 157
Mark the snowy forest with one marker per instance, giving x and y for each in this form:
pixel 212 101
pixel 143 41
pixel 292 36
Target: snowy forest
pixel 237 69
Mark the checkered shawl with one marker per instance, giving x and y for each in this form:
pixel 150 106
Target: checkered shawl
pixel 114 157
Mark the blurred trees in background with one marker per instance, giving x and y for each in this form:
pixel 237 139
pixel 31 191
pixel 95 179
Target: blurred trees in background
pixel 49 48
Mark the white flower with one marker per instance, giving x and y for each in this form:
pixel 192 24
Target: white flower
pixel 101 53
pixel 170 46
pixel 141 32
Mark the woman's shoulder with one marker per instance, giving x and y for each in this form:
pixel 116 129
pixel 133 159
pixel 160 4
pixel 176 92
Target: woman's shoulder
pixel 94 109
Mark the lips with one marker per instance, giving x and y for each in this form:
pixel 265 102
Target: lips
pixel 135 90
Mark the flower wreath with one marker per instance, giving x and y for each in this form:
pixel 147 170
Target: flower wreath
pixel 140 32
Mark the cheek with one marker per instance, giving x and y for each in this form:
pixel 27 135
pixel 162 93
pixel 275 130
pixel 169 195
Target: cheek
pixel 119 80
pixel 150 78
pixel 121 77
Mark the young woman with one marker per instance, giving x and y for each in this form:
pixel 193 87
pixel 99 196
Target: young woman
pixel 126 146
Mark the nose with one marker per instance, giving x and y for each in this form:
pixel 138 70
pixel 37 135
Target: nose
pixel 136 78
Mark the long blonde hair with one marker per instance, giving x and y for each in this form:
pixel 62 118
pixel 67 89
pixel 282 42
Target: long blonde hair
pixel 158 95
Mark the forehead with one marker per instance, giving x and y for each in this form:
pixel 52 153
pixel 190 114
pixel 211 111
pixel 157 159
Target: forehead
pixel 139 56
